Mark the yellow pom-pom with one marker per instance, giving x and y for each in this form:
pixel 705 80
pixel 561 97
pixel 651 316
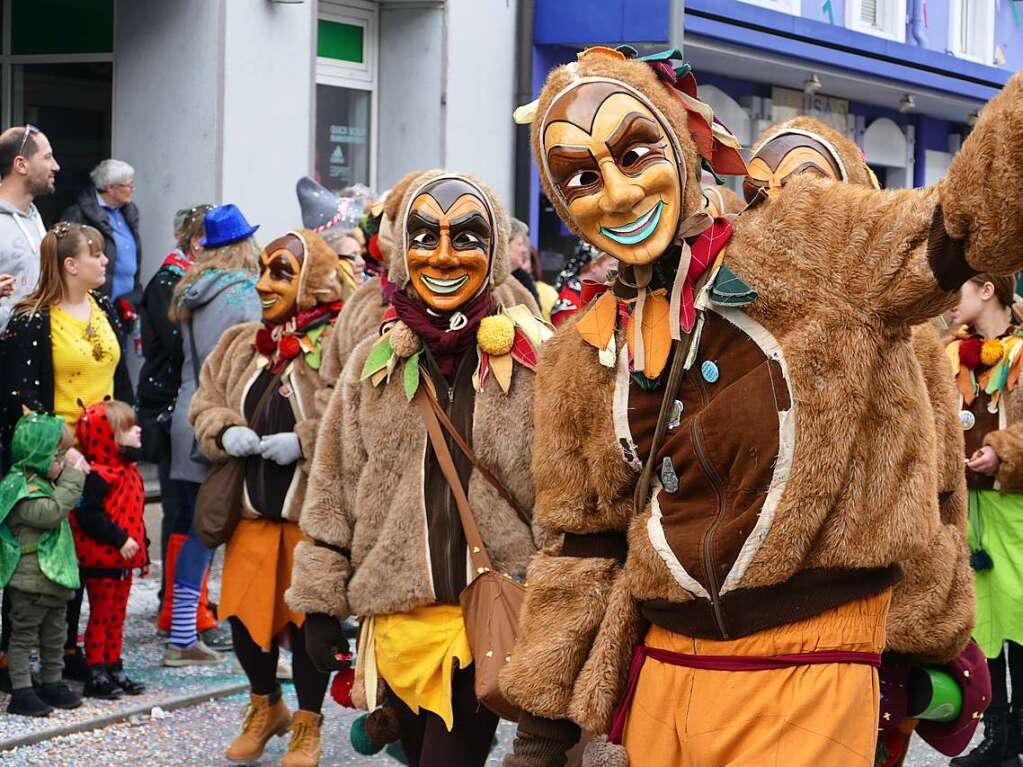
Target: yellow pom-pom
pixel 404 341
pixel 496 335
pixel 991 352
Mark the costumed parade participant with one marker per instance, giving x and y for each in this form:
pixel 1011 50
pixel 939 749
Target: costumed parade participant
pixel 931 612
pixel 38 568
pixel 110 539
pixel 985 354
pixel 585 272
pixel 256 406
pixel 364 312
pixel 736 487
pixel 401 523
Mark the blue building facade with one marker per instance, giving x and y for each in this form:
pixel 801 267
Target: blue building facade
pixel 903 78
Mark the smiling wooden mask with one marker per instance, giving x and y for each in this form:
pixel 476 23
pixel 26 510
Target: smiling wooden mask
pixel 449 242
pixel 609 156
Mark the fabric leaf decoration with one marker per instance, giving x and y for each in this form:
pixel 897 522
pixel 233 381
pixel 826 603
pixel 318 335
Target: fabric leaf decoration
pixel 597 326
pixel 522 350
pixel 378 358
pixel 412 376
pixel 502 367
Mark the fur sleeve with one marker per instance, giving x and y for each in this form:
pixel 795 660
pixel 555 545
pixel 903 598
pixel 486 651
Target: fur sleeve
pixel 980 194
pixel 320 575
pixel 1008 443
pixel 210 413
pixel 575 479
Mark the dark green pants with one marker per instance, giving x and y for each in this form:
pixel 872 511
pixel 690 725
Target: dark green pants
pixel 38 621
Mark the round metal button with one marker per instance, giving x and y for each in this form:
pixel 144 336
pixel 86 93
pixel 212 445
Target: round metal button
pixel 967 420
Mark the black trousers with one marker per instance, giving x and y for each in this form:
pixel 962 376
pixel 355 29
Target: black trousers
pixel 261 667
pixel 427 742
pixel 996 665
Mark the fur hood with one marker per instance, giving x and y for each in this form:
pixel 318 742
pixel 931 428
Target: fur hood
pixel 499 266
pixel 322 279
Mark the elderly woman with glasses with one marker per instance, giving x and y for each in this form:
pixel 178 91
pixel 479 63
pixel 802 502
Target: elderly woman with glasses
pixel 106 205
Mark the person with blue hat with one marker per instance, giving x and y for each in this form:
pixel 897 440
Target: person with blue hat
pixel 226 225
pixel 217 293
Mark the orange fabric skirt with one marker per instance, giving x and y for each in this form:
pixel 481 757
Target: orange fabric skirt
pixel 257 572
pixel 803 716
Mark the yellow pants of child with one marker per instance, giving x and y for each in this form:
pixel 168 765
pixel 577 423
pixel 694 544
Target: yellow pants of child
pixel 803 716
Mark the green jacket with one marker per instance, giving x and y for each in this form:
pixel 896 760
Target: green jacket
pixel 36 546
pixel 27 522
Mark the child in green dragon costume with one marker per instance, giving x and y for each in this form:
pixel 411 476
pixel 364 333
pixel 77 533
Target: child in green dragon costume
pixel 38 566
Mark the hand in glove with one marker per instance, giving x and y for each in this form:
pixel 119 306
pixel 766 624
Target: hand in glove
pixel 283 448
pixel 325 641
pixel 240 441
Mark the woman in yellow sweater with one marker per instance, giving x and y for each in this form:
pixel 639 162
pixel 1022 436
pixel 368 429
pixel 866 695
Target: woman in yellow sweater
pixel 64 338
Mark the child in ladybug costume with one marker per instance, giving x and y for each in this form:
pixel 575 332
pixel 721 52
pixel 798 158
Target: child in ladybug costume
pixel 110 538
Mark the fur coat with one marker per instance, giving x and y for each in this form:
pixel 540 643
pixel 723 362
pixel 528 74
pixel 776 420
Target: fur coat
pixel 840 273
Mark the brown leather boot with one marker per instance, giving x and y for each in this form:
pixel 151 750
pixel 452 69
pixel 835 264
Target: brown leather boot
pixel 263 720
pixel 304 749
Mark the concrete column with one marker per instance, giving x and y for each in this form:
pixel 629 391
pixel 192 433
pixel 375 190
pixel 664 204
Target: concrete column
pixel 166 110
pixel 479 135
pixel 268 109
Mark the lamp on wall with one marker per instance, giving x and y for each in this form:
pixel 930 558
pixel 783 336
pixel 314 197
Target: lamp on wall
pixel 907 103
pixel 812 84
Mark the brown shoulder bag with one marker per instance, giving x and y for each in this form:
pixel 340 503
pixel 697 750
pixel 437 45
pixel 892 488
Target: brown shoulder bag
pixel 491 603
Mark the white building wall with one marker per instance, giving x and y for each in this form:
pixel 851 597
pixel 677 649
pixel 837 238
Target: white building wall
pixel 268 109
pixel 479 135
pixel 410 83
pixel 166 110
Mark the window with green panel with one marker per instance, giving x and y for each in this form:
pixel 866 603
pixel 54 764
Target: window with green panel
pixel 336 40
pixel 62 26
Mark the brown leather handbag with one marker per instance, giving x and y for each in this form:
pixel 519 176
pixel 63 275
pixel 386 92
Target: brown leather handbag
pixel 218 506
pixel 491 603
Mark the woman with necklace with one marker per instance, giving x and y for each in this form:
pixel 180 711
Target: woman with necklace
pixel 65 336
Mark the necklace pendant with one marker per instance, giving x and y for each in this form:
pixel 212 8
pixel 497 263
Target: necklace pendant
pixel 457 321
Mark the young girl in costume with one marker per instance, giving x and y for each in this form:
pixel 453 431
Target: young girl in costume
pixel 387 543
pixel 38 569
pixel 110 537
pixel 986 354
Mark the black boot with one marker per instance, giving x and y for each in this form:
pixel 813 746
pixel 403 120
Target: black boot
pixel 59 695
pixel 25 702
pixel 121 679
pixel 75 667
pixel 994 749
pixel 100 685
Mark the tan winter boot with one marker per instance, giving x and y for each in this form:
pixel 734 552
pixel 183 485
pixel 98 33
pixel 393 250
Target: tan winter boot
pixel 263 720
pixel 304 750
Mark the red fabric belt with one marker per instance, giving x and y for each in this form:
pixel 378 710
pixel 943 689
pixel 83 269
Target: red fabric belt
pixel 726 663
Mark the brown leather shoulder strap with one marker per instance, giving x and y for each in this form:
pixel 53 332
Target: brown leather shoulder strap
pixel 477 551
pixel 459 440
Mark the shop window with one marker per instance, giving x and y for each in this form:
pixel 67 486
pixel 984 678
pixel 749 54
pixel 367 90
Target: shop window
pixel 61 26
pixel 971 30
pixel 785 6
pixel 883 18
pixel 346 103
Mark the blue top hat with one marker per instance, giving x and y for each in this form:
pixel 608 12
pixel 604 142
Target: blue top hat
pixel 226 224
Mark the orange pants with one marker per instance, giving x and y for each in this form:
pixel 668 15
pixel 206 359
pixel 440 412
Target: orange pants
pixel 803 716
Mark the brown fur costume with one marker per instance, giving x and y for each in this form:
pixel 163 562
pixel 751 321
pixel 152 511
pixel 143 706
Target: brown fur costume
pixel 931 613
pixel 234 364
pixel 841 275
pixel 368 481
